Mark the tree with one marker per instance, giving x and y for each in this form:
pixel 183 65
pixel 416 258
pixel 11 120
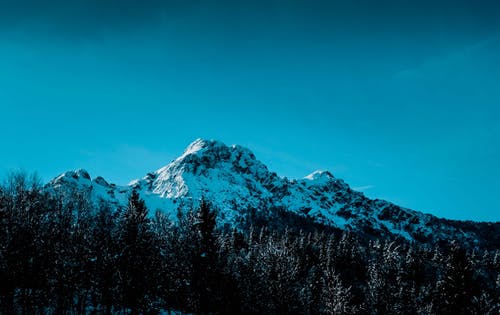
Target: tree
pixel 455 290
pixel 205 265
pixel 22 209
pixel 105 253
pixel 134 264
pixel 336 299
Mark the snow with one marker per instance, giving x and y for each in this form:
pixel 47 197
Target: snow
pixel 319 175
pixel 199 145
pixel 234 180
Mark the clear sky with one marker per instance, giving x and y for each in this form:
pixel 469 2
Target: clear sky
pixel 399 98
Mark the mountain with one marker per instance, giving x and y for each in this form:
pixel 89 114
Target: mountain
pixel 240 186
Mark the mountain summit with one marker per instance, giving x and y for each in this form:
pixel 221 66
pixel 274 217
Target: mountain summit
pixel 240 186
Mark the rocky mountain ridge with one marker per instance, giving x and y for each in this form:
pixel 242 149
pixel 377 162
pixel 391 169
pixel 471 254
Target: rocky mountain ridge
pixel 236 183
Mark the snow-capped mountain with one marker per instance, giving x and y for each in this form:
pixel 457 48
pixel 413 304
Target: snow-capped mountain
pixel 235 182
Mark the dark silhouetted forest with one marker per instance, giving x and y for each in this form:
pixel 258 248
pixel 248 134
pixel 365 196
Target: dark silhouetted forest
pixel 62 253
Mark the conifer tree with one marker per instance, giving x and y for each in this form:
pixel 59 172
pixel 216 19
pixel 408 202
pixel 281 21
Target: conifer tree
pixel 135 257
pixel 205 265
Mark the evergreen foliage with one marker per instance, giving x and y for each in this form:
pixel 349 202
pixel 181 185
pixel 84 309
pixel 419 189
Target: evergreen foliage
pixel 62 254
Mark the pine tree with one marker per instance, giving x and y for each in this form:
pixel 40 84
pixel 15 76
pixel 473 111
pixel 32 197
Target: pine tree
pixel 205 265
pixel 135 258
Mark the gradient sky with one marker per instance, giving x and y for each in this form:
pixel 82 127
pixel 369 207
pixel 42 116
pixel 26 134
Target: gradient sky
pixel 399 98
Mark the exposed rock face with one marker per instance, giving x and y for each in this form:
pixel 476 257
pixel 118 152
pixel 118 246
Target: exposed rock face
pixel 235 182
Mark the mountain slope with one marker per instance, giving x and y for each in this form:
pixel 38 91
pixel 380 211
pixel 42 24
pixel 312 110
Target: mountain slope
pixel 237 183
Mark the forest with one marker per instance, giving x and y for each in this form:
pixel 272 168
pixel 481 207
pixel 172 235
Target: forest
pixel 63 253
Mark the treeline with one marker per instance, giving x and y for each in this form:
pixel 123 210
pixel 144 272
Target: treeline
pixel 61 253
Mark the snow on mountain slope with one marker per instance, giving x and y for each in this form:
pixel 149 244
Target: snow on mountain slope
pixel 235 181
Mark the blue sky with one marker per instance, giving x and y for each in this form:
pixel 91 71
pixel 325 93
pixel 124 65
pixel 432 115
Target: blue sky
pixel 398 98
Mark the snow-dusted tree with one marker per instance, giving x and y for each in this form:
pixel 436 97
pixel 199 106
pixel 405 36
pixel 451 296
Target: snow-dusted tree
pixel 455 289
pixel 278 268
pixel 336 298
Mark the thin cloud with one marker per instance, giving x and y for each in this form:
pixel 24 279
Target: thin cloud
pixel 363 188
pixel 456 60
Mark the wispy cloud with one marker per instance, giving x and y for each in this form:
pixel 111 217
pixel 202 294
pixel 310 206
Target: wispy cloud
pixel 363 188
pixel 456 60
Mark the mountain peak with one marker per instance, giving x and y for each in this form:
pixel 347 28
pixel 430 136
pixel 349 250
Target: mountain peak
pixel 235 181
pixel 73 176
pixel 205 165
pixel 200 145
pixel 212 153
pixel 320 175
